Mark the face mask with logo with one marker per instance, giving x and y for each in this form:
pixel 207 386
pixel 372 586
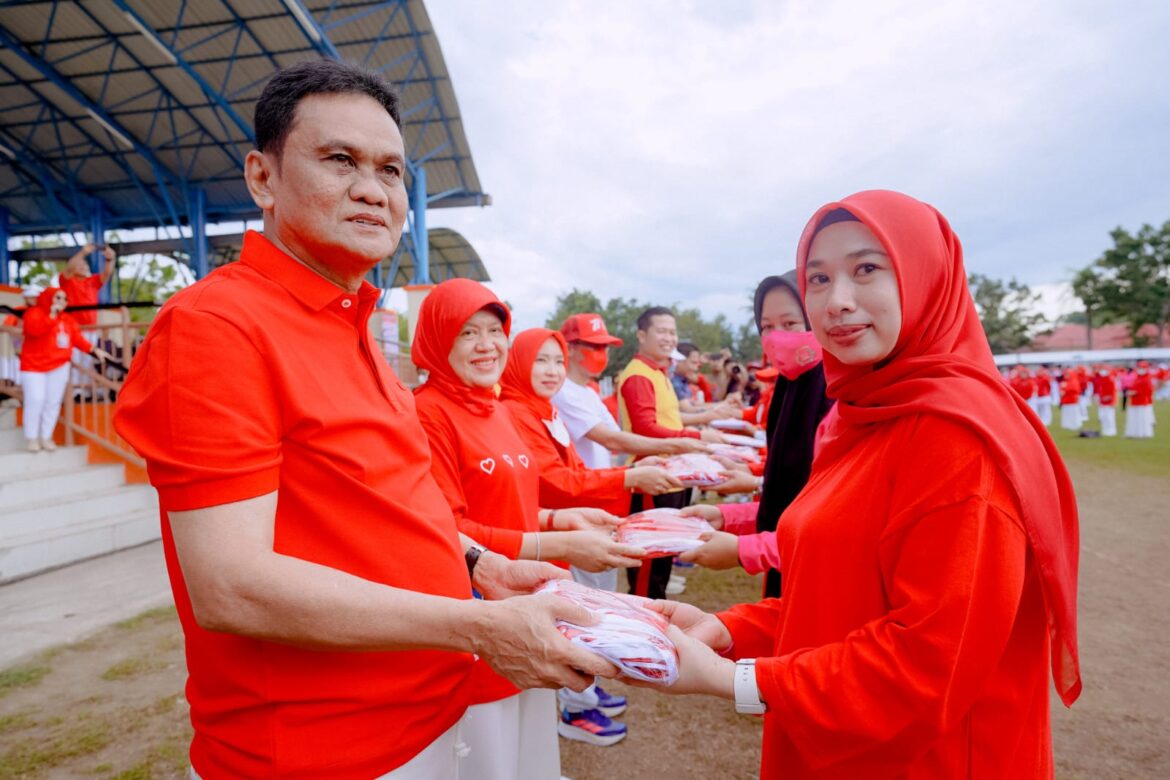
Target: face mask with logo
pixel 792 352
pixel 594 360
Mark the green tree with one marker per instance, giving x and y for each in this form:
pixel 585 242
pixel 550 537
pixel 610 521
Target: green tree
pixel 1134 279
pixel 1006 311
pixel 747 342
pixel 1087 285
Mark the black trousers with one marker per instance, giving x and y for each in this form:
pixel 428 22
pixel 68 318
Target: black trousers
pixel 660 568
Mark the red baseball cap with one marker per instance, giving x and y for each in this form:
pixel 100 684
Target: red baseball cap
pixel 589 328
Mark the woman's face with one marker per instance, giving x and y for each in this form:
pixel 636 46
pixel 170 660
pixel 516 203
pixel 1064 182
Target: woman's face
pixel 60 299
pixel 852 295
pixel 781 311
pixel 480 349
pixel 548 372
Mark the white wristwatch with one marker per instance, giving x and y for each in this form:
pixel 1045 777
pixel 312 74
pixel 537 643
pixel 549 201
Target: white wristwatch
pixel 747 690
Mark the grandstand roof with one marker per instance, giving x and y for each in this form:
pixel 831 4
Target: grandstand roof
pixel 136 105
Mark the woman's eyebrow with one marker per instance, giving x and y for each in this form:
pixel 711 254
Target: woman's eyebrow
pixel 863 252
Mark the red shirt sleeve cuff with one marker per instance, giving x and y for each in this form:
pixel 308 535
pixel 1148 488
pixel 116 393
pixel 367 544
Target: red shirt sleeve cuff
pixel 200 495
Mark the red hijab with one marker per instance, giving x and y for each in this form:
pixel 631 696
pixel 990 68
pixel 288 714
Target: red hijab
pixel 45 299
pixel 942 364
pixel 440 318
pixel 517 379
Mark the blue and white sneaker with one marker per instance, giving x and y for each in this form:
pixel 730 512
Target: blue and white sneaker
pixel 610 704
pixel 591 726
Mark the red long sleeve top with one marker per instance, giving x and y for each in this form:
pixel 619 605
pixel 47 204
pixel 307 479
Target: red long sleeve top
pixel 1142 391
pixel 48 341
pixel 565 480
pixel 911 640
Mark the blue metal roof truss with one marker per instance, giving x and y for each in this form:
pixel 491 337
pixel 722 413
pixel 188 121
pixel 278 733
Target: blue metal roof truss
pixel 129 107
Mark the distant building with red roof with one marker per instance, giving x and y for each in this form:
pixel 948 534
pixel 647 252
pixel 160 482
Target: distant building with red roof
pixel 1116 336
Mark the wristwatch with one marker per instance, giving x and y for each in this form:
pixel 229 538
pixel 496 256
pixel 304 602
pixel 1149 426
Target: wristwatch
pixel 472 558
pixel 747 691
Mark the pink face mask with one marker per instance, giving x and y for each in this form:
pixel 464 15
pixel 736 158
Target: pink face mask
pixel 792 352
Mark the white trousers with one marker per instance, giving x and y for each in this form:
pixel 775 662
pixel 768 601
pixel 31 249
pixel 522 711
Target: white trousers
pixel 1139 422
pixel 513 739
pixel 1044 409
pixel 1070 417
pixel 1107 416
pixel 43 393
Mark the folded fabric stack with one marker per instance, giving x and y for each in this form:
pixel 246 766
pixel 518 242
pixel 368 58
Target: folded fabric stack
pixel 627 635
pixel 736 452
pixel 662 532
pixel 694 469
pixel 731 425
pixel 756 442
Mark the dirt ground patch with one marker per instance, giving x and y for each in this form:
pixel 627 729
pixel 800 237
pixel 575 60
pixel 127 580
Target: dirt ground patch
pixel 112 706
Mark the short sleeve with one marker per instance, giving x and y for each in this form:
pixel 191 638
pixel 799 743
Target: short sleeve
pixel 201 407
pixel 578 415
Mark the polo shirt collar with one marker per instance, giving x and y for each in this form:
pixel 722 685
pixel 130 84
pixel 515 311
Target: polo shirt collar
pixel 306 285
pixel 651 363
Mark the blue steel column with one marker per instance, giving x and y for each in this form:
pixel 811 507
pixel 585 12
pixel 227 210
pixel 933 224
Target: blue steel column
pixel 199 233
pixel 418 228
pixel 4 277
pixel 96 260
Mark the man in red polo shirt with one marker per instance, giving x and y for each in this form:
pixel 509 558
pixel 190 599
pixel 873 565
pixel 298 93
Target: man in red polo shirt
pixel 304 535
pixel 82 286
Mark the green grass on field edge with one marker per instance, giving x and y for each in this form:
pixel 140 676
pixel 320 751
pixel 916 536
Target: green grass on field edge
pixel 1148 457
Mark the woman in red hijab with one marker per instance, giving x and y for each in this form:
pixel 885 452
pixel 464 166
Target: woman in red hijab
pixel 50 336
pixel 930 563
pixel 492 480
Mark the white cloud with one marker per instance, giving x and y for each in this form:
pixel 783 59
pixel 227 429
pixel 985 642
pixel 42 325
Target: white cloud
pixel 672 151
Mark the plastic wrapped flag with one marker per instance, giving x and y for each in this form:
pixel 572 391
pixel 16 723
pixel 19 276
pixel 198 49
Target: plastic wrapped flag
pixel 662 532
pixel 731 425
pixel 627 635
pixel 736 452
pixel 694 469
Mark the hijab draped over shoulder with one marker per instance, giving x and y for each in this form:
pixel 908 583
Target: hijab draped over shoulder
pixel 942 365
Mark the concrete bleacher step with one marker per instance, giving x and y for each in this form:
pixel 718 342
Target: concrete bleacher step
pixel 48 485
pixel 32 553
pixel 11 439
pixel 61 511
pixel 13 464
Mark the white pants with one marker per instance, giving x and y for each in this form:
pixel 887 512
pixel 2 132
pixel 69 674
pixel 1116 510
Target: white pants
pixel 1070 417
pixel 1107 416
pixel 43 393
pixel 513 739
pixel 1139 422
pixel 453 756
pixel 1044 409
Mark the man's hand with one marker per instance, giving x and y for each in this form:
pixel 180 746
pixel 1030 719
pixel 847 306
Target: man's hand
pixel 584 518
pixel 651 479
pixel 519 639
pixel 721 551
pixel 694 622
pixel 681 445
pixel 708 512
pixel 497 577
pixel 737 482
pixel 711 436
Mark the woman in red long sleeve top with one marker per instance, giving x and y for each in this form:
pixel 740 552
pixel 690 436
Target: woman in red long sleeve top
pixel 534 372
pixel 50 336
pixel 491 479
pixel 930 562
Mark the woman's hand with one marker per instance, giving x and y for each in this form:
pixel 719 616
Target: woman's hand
pixel 594 551
pixel 708 512
pixel 497 577
pixel 721 551
pixel 101 354
pixel 584 518
pixel 681 445
pixel 651 479
pixel 700 670
pixel 693 622
pixel 737 482
pixel 650 460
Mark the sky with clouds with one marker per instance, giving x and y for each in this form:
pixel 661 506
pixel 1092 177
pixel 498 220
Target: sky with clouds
pixel 671 150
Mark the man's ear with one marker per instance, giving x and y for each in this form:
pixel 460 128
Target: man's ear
pixel 259 170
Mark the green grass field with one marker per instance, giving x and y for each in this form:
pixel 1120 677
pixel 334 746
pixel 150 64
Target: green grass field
pixel 1150 457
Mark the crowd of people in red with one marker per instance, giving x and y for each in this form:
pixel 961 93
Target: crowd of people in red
pixel 1075 389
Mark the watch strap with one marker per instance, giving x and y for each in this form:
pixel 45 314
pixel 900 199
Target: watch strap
pixel 471 557
pixel 747 690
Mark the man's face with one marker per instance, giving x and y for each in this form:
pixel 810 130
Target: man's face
pixel 336 196
pixel 689 367
pixel 78 266
pixel 659 339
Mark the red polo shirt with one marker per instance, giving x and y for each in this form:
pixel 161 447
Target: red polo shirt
pixel 262 377
pixel 82 291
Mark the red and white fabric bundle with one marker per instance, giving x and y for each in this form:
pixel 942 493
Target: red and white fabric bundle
pixel 731 425
pixel 662 532
pixel 736 452
pixel 627 635
pixel 756 442
pixel 694 469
